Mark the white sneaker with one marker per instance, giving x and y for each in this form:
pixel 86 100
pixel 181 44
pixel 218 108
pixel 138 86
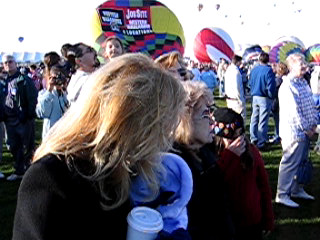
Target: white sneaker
pixel 286 201
pixel 302 194
pixel 14 177
pixel 2 175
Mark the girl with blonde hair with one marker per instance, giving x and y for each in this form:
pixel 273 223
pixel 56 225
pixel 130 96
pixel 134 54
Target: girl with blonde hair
pixel 80 178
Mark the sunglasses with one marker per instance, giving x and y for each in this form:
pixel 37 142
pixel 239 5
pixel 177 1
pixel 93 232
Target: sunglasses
pixel 182 72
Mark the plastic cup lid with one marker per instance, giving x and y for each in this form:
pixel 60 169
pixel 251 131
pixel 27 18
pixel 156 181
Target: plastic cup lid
pixel 145 219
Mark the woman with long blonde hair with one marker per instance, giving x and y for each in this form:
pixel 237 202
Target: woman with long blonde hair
pixel 80 178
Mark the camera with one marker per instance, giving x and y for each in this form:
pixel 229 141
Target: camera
pixel 59 80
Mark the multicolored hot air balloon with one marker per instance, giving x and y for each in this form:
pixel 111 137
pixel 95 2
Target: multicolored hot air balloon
pixel 289 39
pixel 211 44
pixel 282 50
pixel 143 26
pixel 313 53
pixel 251 53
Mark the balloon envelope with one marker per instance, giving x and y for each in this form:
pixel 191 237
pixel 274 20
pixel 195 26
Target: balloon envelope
pixel 142 26
pixel 289 39
pixel 21 39
pixel 211 44
pixel 252 53
pixel 282 50
pixel 313 54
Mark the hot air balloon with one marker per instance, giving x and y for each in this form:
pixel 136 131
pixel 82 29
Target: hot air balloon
pixel 200 6
pixel 142 26
pixel 217 6
pixel 289 39
pixel 20 39
pixel 251 53
pixel 211 44
pixel 282 50
pixel 313 54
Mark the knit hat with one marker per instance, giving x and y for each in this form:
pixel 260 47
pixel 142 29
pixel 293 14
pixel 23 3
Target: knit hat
pixel 228 123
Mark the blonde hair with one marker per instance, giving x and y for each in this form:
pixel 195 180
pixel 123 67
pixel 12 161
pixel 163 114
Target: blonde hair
pixel 196 90
pixel 125 117
pixel 170 59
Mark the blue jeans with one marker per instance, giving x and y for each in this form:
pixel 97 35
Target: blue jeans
pixel 261 107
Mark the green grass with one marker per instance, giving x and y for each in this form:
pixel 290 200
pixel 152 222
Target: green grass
pixel 291 224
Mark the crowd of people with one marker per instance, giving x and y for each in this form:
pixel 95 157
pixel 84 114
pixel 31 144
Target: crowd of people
pixel 130 131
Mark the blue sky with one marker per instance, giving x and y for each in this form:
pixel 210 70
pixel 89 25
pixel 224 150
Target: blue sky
pixel 46 25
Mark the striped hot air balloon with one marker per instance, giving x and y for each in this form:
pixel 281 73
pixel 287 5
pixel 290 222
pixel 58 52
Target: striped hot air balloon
pixel 211 44
pixel 142 26
pixel 282 50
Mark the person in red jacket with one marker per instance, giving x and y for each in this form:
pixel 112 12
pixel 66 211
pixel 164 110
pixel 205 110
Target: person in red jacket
pixel 245 177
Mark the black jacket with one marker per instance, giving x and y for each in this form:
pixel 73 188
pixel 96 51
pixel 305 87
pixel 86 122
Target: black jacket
pixel 54 202
pixel 208 209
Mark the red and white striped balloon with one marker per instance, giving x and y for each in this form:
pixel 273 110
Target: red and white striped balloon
pixel 211 44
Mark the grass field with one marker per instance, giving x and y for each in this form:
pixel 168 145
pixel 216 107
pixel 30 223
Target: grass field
pixel 291 224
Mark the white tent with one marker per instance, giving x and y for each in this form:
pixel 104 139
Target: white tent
pixel 24 57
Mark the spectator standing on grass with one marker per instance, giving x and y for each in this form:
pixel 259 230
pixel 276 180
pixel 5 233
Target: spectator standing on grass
pixel 79 183
pixel 52 102
pixel 20 98
pixel 68 57
pixel 245 177
pixel 315 88
pixel 50 59
pixel 195 70
pixel 208 209
pixel 263 89
pixel 2 130
pixel 222 67
pixel 85 58
pixel 298 120
pixel 281 70
pixel 209 78
pixel 36 77
pixel 236 99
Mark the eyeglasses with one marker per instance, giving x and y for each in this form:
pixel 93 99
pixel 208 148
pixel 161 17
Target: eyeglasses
pixel 206 115
pixel 8 62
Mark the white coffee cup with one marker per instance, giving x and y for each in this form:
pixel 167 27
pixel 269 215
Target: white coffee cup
pixel 144 223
